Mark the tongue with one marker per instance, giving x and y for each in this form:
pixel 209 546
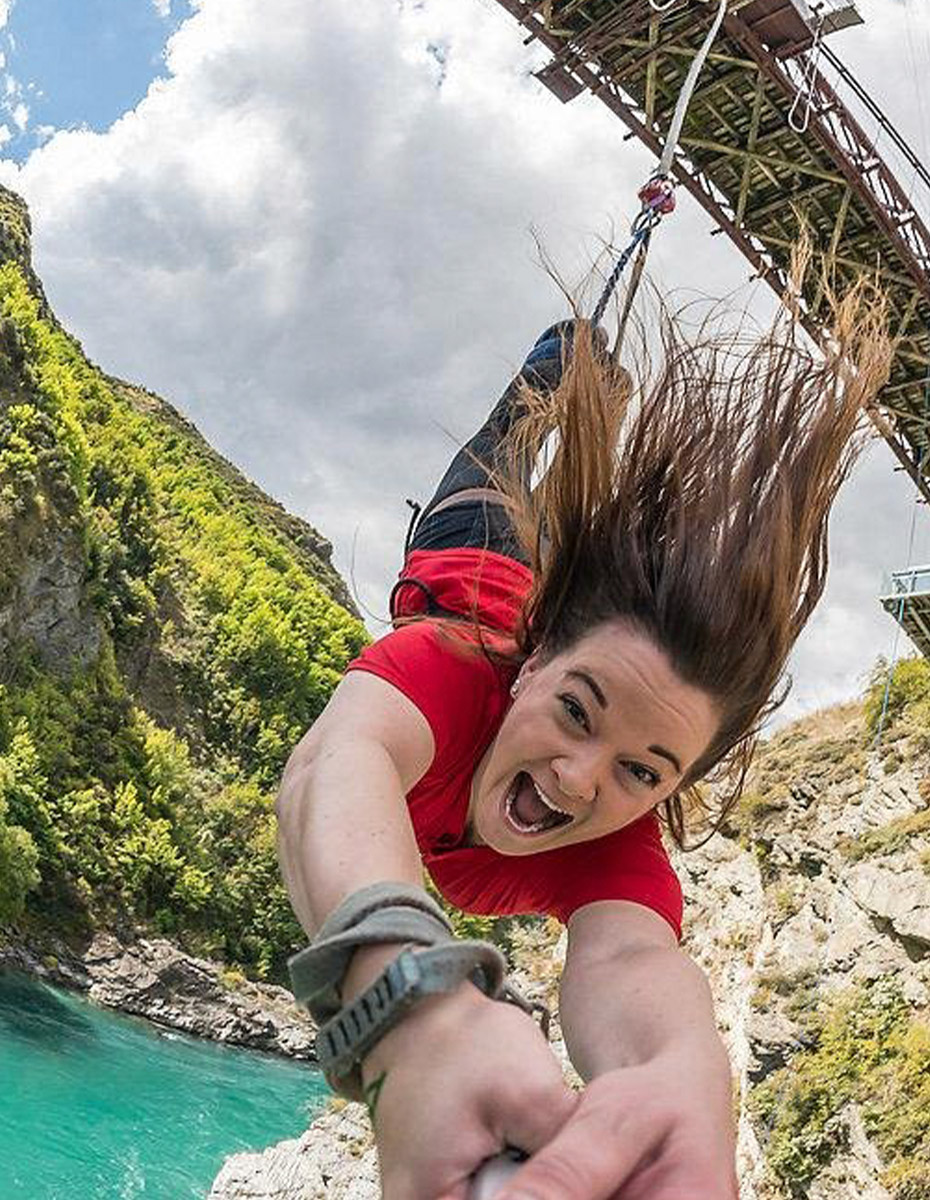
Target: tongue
pixel 527 806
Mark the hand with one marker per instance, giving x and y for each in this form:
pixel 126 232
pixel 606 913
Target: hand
pixel 659 1131
pixel 458 1079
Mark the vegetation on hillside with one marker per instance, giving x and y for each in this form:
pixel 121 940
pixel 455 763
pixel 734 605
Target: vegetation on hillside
pixel 110 814
pixel 866 1047
pixel 863 1047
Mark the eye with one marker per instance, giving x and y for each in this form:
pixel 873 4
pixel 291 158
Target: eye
pixel 575 710
pixel 642 775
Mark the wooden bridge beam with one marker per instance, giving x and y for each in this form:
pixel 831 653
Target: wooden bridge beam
pixel 755 120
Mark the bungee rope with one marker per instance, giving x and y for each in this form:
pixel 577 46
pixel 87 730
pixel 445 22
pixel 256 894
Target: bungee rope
pixel 892 665
pixel 657 195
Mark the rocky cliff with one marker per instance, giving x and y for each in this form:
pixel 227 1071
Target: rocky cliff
pixel 167 633
pixel 811 916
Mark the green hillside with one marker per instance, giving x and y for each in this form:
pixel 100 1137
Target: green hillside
pixel 167 633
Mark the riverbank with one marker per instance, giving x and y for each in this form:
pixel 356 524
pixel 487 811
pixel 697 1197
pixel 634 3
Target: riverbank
pixel 152 978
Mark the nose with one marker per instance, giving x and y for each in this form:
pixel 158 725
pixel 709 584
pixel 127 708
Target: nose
pixel 577 776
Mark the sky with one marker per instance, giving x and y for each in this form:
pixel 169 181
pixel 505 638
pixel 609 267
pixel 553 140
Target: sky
pixel 310 226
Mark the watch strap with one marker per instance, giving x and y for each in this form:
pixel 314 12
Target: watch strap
pixel 413 976
pixel 318 971
pixel 363 902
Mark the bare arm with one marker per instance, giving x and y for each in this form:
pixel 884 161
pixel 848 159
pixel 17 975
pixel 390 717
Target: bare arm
pixel 639 1025
pixel 342 810
pixel 628 994
pixel 461 1074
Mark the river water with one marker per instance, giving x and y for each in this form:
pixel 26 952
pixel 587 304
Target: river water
pixel 97 1106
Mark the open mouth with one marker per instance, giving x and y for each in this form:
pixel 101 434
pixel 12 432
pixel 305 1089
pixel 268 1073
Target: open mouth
pixel 529 810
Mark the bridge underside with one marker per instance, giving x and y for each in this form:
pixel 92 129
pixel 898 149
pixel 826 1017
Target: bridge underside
pixel 756 176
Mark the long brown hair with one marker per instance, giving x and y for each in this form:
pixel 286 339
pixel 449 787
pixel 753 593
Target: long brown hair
pixel 691 500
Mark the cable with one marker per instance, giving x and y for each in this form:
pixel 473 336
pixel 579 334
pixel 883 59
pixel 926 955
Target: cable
pixel 910 559
pixel 657 196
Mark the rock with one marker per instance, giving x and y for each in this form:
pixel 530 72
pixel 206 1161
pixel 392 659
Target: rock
pixel 899 899
pixel 334 1160
pixel 855 1172
pixel 152 978
pixel 52 961
pixel 772 1040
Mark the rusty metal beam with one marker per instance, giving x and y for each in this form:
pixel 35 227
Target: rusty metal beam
pixel 852 171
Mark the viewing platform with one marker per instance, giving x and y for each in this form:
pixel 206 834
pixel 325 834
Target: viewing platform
pixel 906 595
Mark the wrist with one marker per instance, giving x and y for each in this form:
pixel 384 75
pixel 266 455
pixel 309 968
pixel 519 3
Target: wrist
pixel 367 964
pixel 700 1057
pixel 425 1030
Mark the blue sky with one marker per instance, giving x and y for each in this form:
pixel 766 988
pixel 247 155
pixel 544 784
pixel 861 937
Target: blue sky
pixel 78 63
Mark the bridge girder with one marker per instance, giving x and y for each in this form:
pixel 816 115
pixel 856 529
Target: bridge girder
pixel 755 175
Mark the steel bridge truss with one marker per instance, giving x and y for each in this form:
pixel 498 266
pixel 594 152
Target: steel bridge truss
pixel 757 177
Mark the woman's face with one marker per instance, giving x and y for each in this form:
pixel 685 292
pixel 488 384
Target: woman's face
pixel 596 736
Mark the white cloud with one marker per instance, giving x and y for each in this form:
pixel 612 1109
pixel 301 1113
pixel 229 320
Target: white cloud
pixel 5 134
pixel 5 9
pixel 322 256
pixel 162 7
pixel 20 115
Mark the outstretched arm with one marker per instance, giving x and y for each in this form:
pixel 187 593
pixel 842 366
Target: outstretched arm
pixel 655 1121
pixel 461 1075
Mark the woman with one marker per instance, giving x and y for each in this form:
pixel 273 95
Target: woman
pixel 568 662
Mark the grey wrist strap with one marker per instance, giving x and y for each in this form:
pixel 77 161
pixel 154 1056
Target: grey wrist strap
pixel 344 1041
pixel 379 914
pixel 379 895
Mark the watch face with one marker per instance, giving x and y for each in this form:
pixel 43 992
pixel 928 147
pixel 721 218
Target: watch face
pixel 408 970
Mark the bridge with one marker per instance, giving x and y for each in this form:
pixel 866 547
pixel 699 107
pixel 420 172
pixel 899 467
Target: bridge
pixel 775 134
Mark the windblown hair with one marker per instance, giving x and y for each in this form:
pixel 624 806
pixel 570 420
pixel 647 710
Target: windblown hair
pixel 693 504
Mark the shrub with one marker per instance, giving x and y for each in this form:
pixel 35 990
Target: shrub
pixel 909 687
pixel 867 1049
pixel 18 868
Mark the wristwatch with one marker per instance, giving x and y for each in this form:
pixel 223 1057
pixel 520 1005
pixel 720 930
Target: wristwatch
pixel 344 1041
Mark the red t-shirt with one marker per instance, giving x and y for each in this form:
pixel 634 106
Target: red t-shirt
pixel 464 697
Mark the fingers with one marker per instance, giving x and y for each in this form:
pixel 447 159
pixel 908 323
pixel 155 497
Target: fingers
pixel 535 1120
pixel 588 1159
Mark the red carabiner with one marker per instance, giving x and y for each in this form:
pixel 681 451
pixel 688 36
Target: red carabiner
pixel 658 195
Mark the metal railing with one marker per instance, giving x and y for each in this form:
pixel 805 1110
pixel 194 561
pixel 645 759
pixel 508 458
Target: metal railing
pixel 915 581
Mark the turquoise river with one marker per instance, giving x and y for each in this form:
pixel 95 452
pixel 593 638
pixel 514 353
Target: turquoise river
pixel 95 1106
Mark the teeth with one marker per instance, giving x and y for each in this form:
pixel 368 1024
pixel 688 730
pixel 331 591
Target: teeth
pixel 549 803
pixel 545 799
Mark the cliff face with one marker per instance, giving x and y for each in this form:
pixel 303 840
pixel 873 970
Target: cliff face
pixel 167 633
pixel 811 917
pixel 813 922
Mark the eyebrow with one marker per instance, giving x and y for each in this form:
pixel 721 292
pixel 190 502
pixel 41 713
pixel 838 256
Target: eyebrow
pixel 663 753
pixel 592 684
pixel 597 691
